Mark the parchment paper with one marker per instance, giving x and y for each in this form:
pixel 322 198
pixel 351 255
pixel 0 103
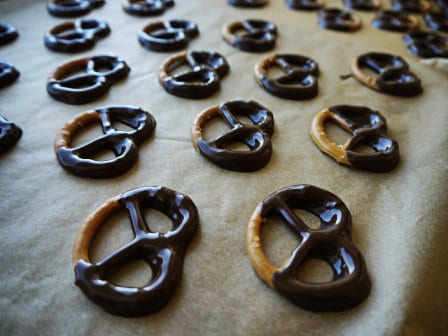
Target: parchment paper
pixel 399 218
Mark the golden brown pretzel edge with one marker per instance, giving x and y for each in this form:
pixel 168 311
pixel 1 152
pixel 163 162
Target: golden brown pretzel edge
pixel 201 119
pixel 229 29
pixel 362 76
pixel 66 67
pixel 261 66
pixel 165 66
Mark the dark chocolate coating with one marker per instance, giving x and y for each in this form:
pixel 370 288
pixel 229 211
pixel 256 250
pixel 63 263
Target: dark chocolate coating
pixel 394 75
pixel 331 243
pixel 368 128
pixel 300 81
pixel 10 133
pixel 163 252
pixel 409 6
pixel 72 8
pixel 124 144
pixel 392 20
pixel 256 137
pixel 442 5
pixel 8 74
pixel 363 5
pixel 437 21
pixel 82 37
pixel 147 7
pixel 8 33
pixel 207 70
pixel 336 19
pixel 304 4
pixel 260 36
pixel 84 88
pixel 426 44
pixel 175 35
pixel 248 3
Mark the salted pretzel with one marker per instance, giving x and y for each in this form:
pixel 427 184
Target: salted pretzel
pixel 71 8
pixel 426 44
pixel 338 19
pixel 363 5
pixel 258 36
pixel 8 33
pixel 147 7
pixel 395 21
pixel 202 81
pixel 305 4
pixel 256 136
pixel 8 74
pixel 331 243
pixel 163 252
pixel 299 81
pixel 124 144
pixel 367 127
pixel 248 3
pixel 10 133
pixel 167 36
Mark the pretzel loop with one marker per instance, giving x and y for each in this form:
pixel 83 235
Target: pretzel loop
pixel 338 19
pixel 259 35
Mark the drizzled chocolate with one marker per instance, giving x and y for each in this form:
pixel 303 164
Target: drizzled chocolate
pixel 124 144
pixel 256 137
pixel 72 8
pixel 368 128
pixel 411 6
pixel 258 36
pixel 8 33
pixel 8 74
pixel 394 76
pixel 363 5
pixel 248 3
pixel 167 36
pixel 331 243
pixel 100 73
pixel 76 36
pixel 147 7
pixel 395 21
pixel 10 133
pixel 338 19
pixel 207 70
pixel 437 21
pixel 305 4
pixel 299 81
pixel 163 252
pixel 426 44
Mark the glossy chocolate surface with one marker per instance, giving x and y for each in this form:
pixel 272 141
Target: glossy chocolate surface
pixel 8 33
pixel 363 5
pixel 426 44
pixel 163 252
pixel 124 144
pixel 257 137
pixel 330 243
pixel 393 20
pixel 305 4
pixel 100 73
pixel 72 8
pixel 258 36
pixel 147 7
pixel 411 6
pixel 10 133
pixel 248 3
pixel 437 21
pixel 338 19
pixel 8 74
pixel 299 81
pixel 168 36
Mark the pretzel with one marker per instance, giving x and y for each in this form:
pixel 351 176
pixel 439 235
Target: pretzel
pixel 305 4
pixel 426 44
pixel 84 88
pixel 363 5
pixel 257 136
pixel 123 144
pixel 331 243
pixel 248 3
pixel 395 21
pixel 163 252
pixel 8 74
pixel 8 33
pixel 394 76
pixel 338 19
pixel 207 70
pixel 147 7
pixel 300 81
pixel 437 21
pixel 411 6
pixel 70 8
pixel 167 36
pixel 367 128
pixel 259 35
pixel 10 133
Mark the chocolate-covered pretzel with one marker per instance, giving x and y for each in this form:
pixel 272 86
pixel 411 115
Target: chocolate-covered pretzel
pixel 207 70
pixel 411 6
pixel 338 19
pixel 426 44
pixel 330 243
pixel 437 21
pixel 147 7
pixel 163 252
pixel 258 36
pixel 8 74
pixel 394 76
pixel 168 36
pixel 367 127
pixel 363 5
pixel 395 21
pixel 256 137
pixel 299 81
pixel 248 3
pixel 124 144
pixel 305 4
pixel 10 133
pixel 72 8
pixel 75 36
pixel 90 85
pixel 8 33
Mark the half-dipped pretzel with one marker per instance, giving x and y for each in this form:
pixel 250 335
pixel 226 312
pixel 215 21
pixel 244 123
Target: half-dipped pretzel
pixel 256 137
pixel 10 133
pixel 163 252
pixel 75 36
pixel 363 5
pixel 91 84
pixel 207 70
pixel 367 127
pixel 147 7
pixel 258 36
pixel 299 82
pixel 8 33
pixel 167 36
pixel 426 44
pixel 331 243
pixel 124 144
pixel 411 6
pixel 437 21
pixel 338 19
pixel 248 3
pixel 71 8
pixel 305 4
pixel 8 74
pixel 395 21
pixel 394 76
